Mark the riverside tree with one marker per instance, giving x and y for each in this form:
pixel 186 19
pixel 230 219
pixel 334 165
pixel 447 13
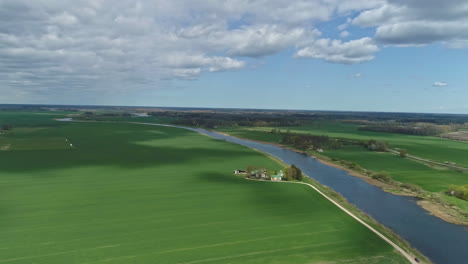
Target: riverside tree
pixel 293 173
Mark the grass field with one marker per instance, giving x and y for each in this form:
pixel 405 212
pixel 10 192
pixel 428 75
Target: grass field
pixel 434 148
pixel 141 194
pixel 403 170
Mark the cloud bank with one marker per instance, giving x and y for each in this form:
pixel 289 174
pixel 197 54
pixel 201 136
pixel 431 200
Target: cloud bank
pixel 107 45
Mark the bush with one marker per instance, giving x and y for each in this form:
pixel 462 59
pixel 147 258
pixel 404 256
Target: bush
pixel 375 145
pixel 411 187
pixel 383 177
pixel 460 192
pixel 403 153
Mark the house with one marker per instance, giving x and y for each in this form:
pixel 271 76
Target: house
pixel 260 173
pixel 240 172
pixel 278 176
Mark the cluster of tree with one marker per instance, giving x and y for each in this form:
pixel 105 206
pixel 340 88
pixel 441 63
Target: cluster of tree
pixel 420 129
pixel 376 145
pixel 90 114
pixel 213 120
pixel 6 127
pixel 460 192
pixel 306 142
pixel 292 173
pixel 279 118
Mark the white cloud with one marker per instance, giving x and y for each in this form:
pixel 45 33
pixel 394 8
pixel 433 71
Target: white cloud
pixel 64 19
pixel 344 34
pixel 73 45
pixel 357 75
pixel 264 40
pixel 345 25
pixel 184 73
pixel 418 22
pixel 336 51
pixel 213 63
pixel 103 45
pixel 440 84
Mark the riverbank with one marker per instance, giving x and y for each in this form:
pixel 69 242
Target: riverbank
pixel 428 202
pixel 400 244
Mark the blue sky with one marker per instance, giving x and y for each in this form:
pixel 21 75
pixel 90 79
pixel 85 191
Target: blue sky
pixel 398 79
pixel 375 55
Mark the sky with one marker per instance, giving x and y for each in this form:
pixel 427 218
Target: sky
pixel 351 55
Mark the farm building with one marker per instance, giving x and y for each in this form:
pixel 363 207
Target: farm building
pixel 260 173
pixel 277 177
pixel 240 172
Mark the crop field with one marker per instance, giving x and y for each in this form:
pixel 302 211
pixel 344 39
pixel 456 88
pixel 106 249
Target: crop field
pixel 402 170
pixel 142 194
pixel 434 148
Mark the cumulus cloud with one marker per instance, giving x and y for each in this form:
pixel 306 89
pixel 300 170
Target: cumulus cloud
pixel 75 45
pixel 88 44
pixel 418 22
pixel 344 34
pixel 336 51
pixel 440 84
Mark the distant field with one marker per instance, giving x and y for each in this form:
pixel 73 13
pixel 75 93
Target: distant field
pixel 459 135
pixel 402 170
pixel 142 194
pixel 434 148
pixel 31 118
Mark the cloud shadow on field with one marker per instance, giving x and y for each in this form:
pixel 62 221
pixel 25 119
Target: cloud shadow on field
pixel 100 145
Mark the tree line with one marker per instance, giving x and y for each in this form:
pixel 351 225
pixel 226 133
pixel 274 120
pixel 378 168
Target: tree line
pixel 213 120
pixel 419 129
pixel 306 142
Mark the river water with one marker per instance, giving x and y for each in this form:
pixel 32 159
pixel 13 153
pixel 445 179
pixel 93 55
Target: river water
pixel 442 242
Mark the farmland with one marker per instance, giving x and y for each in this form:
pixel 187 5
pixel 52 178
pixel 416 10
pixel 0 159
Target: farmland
pixel 401 169
pixel 435 179
pixel 139 194
pixel 434 148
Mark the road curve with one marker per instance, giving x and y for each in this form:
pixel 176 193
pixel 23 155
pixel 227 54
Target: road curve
pixel 398 248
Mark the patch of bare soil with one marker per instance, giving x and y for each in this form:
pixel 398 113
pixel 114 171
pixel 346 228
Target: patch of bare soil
pixel 459 135
pixel 446 213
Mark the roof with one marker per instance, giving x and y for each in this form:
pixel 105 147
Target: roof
pixel 276 176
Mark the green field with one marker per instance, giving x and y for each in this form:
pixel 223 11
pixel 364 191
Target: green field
pixel 144 194
pixel 404 170
pixel 434 148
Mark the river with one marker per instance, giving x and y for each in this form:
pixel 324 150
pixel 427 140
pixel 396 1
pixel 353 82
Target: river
pixel 442 242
